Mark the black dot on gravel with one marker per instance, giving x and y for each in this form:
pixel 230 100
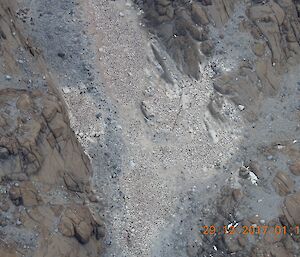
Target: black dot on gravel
pixel 61 55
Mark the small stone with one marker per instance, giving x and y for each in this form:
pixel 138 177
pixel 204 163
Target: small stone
pixel 93 198
pixel 121 14
pixel 61 55
pixel 66 90
pixel 7 77
pixel 241 107
pixel 19 223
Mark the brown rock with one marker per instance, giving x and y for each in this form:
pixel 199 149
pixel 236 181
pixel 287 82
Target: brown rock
pixel 24 102
pixel 291 208
pixel 50 109
pixel 199 15
pixel 295 168
pixel 15 195
pixel 237 194
pixel 254 167
pixel 282 183
pixel 259 48
pixel 77 221
pixel 100 232
pixel 207 47
pixel 66 227
pixel 83 232
pixel 268 19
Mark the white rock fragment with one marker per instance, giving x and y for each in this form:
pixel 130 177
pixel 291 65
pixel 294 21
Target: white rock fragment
pixel 121 14
pixel 7 77
pixel 253 178
pixel 241 107
pixel 280 147
pixel 66 90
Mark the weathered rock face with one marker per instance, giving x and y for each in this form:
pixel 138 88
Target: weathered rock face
pixel 44 173
pixel 35 126
pixel 184 28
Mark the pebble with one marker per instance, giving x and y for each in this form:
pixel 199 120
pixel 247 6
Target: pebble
pixel 18 223
pixel 241 107
pixel 7 77
pixel 121 14
pixel 66 90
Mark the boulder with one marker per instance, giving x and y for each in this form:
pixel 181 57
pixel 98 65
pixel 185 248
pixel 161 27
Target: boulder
pixel 78 221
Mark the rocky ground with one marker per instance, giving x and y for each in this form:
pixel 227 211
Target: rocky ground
pixel 183 114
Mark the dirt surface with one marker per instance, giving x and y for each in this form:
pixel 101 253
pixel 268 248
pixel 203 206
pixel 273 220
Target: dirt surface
pixel 189 113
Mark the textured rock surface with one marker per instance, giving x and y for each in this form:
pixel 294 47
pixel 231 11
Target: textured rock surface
pixel 44 172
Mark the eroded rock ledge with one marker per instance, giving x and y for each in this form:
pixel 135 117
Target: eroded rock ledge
pixel 46 199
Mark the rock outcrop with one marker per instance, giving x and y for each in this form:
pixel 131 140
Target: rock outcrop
pixel 45 175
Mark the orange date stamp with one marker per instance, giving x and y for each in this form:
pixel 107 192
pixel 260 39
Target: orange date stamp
pixel 249 230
